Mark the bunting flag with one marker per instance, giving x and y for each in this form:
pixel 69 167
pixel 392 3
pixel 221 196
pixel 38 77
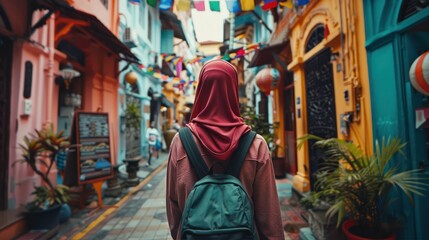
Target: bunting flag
pixel 179 61
pixel 183 5
pixel 165 5
pixel 286 3
pixel 301 2
pixel 268 4
pixel 233 6
pixel 247 5
pixel 179 66
pixel 214 5
pixel 152 3
pixel 135 2
pixel 326 31
pixel 199 5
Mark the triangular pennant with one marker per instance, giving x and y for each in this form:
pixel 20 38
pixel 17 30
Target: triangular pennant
pixel 165 5
pixel 135 2
pixel 247 5
pixel 301 2
pixel 233 6
pixel 326 31
pixel 151 3
pixel 199 5
pixel 183 5
pixel 268 4
pixel 286 3
pixel 214 5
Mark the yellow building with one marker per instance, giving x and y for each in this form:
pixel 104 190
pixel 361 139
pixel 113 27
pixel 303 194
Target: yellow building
pixel 323 87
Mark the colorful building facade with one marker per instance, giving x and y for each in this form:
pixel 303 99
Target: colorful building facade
pixel 39 39
pixel 396 35
pixel 323 90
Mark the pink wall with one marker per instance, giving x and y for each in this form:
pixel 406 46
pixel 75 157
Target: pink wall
pixel 100 85
pixel 97 9
pixel 43 95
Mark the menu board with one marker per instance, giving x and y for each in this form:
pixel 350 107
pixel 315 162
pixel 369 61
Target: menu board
pixel 93 147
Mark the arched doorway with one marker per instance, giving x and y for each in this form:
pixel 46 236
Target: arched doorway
pixel 320 98
pixel 6 58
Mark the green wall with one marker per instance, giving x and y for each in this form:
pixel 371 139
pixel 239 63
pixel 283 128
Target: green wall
pixel 392 46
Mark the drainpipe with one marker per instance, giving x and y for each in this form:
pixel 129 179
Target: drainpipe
pixel 343 61
pixel 50 69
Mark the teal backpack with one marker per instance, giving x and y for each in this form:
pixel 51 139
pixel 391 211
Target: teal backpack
pixel 218 206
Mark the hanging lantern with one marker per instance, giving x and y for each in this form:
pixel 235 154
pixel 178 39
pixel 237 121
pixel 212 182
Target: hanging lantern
pixel 267 79
pixel 131 77
pixel 419 73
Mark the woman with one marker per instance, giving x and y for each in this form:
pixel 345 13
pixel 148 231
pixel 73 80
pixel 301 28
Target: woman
pixel 217 126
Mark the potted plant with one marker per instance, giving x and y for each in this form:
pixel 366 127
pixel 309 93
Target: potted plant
pixel 267 130
pixel 39 151
pixel 358 187
pixel 133 115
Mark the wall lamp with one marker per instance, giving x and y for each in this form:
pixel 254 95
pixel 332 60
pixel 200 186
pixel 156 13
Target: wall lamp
pixel 66 74
pixel 335 56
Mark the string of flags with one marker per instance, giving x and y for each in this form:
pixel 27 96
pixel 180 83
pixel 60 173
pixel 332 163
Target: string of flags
pixel 178 61
pixel 233 6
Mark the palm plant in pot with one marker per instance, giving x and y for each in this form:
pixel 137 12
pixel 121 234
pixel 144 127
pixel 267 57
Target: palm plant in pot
pixel 39 151
pixel 259 124
pixel 360 188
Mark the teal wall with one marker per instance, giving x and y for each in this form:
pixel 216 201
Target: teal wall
pixel 392 47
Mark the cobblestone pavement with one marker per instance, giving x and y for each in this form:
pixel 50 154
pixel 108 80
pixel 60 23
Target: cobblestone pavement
pixel 141 214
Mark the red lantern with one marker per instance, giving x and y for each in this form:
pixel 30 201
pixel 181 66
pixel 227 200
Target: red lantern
pixel 419 73
pixel 267 79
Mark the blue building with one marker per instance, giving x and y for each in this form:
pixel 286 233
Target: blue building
pixel 148 31
pixel 396 34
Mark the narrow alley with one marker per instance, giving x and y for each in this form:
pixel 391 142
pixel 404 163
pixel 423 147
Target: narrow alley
pixel 141 213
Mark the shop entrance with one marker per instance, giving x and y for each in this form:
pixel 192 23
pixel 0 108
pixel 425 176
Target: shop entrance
pixel 289 124
pixel 320 99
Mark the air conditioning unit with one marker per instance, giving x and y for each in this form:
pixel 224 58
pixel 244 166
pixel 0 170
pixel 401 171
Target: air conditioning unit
pixel 129 38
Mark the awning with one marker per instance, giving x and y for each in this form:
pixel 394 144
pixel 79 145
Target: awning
pixel 94 27
pixel 169 20
pixel 265 55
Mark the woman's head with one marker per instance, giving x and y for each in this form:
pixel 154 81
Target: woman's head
pixel 217 91
pixel 215 117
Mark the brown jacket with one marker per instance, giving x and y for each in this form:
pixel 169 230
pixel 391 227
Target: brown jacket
pixel 257 177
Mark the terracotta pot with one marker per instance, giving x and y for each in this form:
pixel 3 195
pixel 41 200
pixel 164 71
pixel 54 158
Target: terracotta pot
pixel 351 236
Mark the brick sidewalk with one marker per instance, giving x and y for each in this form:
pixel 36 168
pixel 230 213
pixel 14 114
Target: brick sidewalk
pixel 141 213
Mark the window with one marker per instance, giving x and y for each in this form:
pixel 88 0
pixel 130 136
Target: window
pixel 315 38
pixel 411 7
pixel 149 27
pixel 142 14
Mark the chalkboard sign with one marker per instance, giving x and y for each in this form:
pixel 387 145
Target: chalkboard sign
pixel 93 147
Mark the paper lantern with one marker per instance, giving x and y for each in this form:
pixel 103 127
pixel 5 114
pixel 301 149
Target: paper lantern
pixel 267 79
pixel 419 73
pixel 131 77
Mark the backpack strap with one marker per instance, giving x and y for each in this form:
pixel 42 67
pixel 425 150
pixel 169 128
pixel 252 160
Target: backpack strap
pixel 197 160
pixel 240 153
pixel 193 153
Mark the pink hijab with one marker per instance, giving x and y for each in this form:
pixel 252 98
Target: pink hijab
pixel 215 118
